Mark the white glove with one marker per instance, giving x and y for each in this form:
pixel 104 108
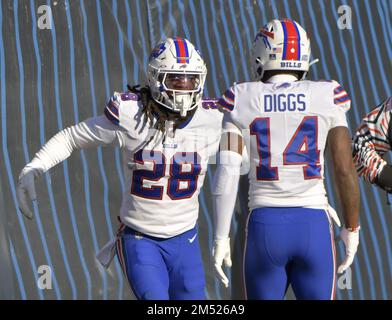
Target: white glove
pixel 351 241
pixel 26 185
pixel 221 254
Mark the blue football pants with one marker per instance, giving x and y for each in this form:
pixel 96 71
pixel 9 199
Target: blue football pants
pixel 162 269
pixel 289 246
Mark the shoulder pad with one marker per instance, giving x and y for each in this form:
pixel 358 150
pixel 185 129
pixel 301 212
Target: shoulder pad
pixel 340 96
pixel 321 80
pixel 112 109
pixel 227 100
pixel 127 96
pixel 210 103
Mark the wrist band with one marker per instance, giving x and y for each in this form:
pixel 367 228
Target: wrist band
pixel 354 229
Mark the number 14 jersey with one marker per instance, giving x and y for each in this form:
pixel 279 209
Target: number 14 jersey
pixel 285 128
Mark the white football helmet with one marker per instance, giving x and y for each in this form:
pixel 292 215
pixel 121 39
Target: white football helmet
pixel 280 45
pixel 176 75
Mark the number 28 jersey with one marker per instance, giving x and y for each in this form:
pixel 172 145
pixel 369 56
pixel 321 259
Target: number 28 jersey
pixel 164 172
pixel 285 128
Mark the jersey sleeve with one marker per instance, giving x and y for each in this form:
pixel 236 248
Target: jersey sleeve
pixel 94 132
pixel 372 141
pixel 225 182
pixel 122 108
pixel 341 104
pixel 227 100
pixel 90 133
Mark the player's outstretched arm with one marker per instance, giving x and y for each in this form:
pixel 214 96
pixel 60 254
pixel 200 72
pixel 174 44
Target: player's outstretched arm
pixel 90 133
pixel 348 190
pixel 224 197
pixel 370 142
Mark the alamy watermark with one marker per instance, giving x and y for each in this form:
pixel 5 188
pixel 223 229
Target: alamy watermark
pixel 345 17
pixel 45 18
pixel 344 281
pixel 44 281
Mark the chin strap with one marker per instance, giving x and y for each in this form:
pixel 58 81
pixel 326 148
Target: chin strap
pixel 313 62
pixel 310 64
pixel 183 102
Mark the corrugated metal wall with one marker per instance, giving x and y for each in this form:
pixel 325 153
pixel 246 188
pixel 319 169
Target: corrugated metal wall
pixel 51 79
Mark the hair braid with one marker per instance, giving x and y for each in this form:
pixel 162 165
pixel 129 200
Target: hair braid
pixel 150 108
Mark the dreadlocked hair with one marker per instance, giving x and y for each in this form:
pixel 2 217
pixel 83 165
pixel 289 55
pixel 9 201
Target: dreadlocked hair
pixel 150 108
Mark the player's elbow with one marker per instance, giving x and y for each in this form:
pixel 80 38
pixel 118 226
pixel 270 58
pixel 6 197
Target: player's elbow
pixel 345 171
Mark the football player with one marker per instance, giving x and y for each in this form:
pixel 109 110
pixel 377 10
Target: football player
pixel 372 140
pixel 286 123
pixel 166 134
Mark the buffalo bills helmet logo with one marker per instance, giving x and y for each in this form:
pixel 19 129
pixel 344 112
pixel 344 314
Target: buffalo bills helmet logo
pixel 157 51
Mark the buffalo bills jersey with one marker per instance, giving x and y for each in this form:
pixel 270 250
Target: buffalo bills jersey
pixel 285 127
pixel 164 170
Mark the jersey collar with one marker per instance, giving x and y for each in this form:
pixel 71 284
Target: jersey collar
pixel 278 78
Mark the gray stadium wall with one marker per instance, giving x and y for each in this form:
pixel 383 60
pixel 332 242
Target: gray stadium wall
pixel 54 78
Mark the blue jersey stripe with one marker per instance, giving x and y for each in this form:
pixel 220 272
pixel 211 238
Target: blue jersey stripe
pixel 284 41
pixel 342 99
pixel 225 105
pixel 298 41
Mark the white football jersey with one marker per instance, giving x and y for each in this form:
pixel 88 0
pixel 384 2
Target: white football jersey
pixel 163 174
pixel 285 127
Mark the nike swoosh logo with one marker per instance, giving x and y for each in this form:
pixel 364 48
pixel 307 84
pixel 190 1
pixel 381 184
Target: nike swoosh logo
pixel 192 239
